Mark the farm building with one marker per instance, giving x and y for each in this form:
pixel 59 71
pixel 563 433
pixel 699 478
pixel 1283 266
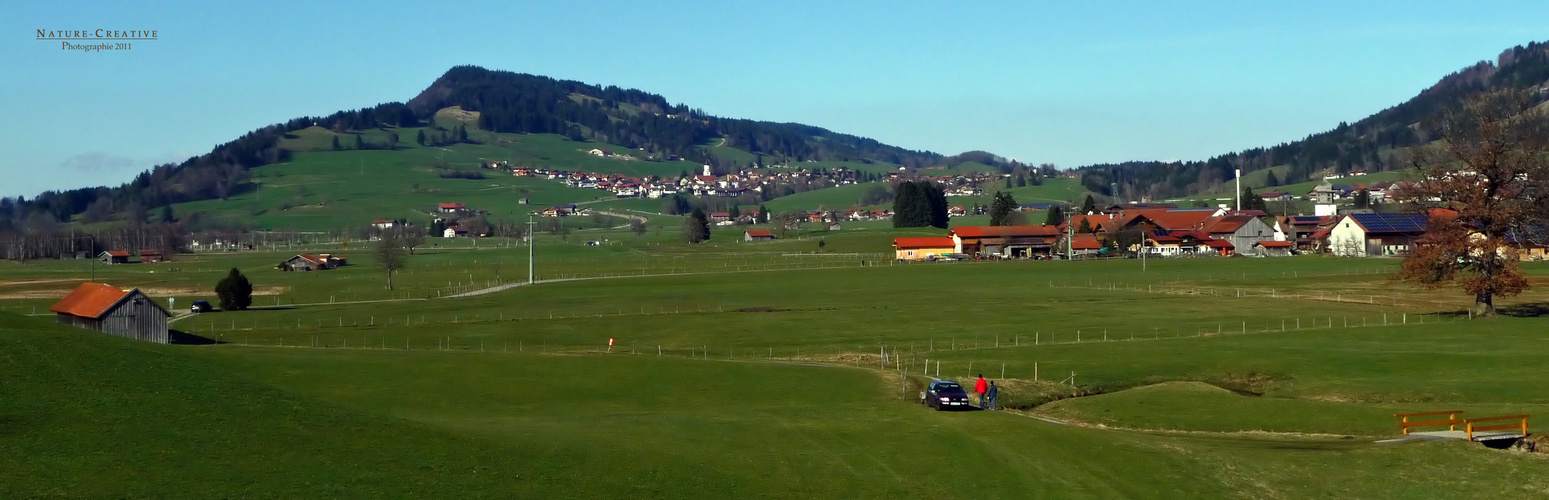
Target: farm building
pixel 1273 248
pixel 108 309
pixel 922 248
pixel 309 262
pixel 1004 241
pixel 1371 234
pixel 114 257
pixel 447 208
pixel 149 256
pixel 757 235
pixel 1085 245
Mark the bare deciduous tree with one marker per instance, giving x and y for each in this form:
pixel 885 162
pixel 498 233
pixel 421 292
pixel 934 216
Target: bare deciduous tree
pixel 390 254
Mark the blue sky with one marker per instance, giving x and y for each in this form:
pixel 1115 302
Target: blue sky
pixel 1069 83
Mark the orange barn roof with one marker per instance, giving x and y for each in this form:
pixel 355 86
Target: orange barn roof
pixel 760 233
pixel 90 300
pixel 1085 242
pixel 1004 231
pixel 923 242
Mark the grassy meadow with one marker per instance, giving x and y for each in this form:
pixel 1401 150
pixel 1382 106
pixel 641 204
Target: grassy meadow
pixel 758 369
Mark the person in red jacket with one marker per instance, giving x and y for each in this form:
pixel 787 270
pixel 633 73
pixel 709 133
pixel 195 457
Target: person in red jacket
pixel 981 387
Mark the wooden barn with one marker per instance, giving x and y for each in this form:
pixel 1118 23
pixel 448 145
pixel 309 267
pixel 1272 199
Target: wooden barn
pixel 114 257
pixel 108 309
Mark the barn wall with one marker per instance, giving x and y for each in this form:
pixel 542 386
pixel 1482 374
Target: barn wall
pixel 137 317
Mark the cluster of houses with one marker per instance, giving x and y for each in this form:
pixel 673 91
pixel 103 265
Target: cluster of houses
pixel 1167 231
pixel 111 257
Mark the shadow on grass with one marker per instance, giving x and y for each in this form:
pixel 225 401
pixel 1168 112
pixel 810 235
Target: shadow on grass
pixel 179 337
pixel 1533 310
pixel 1530 310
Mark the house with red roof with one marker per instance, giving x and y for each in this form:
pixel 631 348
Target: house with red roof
pixel 114 257
pixel 757 235
pixel 114 311
pixel 923 248
pixel 447 208
pixel 1011 242
pixel 1085 245
pixel 149 256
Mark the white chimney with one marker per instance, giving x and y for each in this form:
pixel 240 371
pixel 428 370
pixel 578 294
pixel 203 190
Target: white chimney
pixel 1239 190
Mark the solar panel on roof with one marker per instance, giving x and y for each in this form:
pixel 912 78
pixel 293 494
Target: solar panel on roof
pixel 1391 223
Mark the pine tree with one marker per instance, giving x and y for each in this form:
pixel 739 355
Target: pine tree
pixel 1273 181
pixel 234 292
pixel 908 206
pixel 420 139
pixel 166 215
pixel 763 215
pixel 1056 216
pixel 336 146
pixel 1089 206
pixel 735 213
pixel 359 143
pixel 1251 201
pixel 1001 208
pixel 696 227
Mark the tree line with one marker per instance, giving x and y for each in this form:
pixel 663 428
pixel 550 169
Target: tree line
pixel 1377 143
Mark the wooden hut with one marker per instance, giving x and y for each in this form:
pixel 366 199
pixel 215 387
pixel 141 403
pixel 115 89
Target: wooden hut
pixel 111 310
pixel 114 257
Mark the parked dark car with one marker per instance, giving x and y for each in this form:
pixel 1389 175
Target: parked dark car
pixel 944 394
pixel 201 306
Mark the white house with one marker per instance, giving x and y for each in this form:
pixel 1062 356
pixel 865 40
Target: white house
pixel 1371 234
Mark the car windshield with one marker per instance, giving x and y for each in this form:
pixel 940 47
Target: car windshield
pixel 948 387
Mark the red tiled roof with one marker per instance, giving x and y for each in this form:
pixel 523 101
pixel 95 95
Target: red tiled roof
pixel 1167 219
pixel 923 242
pixel 1321 233
pixel 1273 244
pixel 1220 244
pixel 1227 224
pixel 1004 231
pixel 1085 242
pixel 117 253
pixel 1093 221
pixel 453 205
pixel 760 233
pixel 145 253
pixel 90 300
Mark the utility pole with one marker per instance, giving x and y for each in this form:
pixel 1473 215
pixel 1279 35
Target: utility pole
pixel 530 242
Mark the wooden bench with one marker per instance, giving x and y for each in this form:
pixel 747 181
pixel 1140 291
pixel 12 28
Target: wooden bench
pixel 1452 422
pixel 1521 424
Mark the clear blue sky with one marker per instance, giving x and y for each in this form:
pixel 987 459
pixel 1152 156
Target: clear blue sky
pixel 1056 82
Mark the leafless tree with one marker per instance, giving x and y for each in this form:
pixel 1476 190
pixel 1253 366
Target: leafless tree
pixel 390 254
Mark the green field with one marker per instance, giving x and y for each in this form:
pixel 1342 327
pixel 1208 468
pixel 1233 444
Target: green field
pixel 756 369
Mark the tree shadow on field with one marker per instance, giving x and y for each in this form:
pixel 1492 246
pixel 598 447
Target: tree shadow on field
pixel 1533 310
pixel 1530 310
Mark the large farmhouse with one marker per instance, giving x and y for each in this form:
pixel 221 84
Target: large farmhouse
pixel 1361 235
pixel 923 248
pixel 108 309
pixel 1004 241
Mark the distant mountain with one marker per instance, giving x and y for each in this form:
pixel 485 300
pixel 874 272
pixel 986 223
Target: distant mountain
pixel 505 102
pixel 1367 144
pixel 522 103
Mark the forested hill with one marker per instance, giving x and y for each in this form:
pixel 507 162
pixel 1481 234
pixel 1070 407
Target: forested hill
pixel 522 103
pixel 506 102
pixel 1366 144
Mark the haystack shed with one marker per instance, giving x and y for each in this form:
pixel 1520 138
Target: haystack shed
pixel 115 311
